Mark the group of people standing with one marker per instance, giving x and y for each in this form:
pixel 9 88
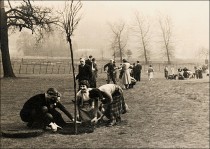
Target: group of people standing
pixel 136 71
pixel 128 73
pixel 183 73
pixel 88 70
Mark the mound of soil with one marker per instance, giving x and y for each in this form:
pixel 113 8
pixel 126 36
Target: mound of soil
pixel 81 128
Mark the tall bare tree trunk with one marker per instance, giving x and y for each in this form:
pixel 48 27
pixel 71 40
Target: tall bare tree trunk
pixel 120 51
pixel 6 62
pixel 167 34
pixel 75 91
pixel 145 55
pixel 168 56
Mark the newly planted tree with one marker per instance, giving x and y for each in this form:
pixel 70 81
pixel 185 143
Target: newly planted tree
pixel 69 22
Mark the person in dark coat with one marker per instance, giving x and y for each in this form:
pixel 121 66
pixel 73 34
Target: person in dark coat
pixel 133 70
pixel 110 72
pixel 200 71
pixel 40 110
pixel 94 73
pixel 185 72
pixel 89 61
pixel 138 69
pixel 84 71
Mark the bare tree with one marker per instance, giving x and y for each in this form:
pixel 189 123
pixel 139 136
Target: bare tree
pixel 166 30
pixel 70 19
pixel 23 16
pixel 129 53
pixel 120 39
pixel 203 53
pixel 141 31
pixel 114 47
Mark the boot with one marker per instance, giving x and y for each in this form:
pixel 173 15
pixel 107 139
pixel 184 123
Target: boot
pixel 112 123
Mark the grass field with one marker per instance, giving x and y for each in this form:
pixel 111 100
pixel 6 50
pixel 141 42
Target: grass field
pixel 163 114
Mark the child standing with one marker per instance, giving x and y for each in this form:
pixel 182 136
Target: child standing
pixel 150 72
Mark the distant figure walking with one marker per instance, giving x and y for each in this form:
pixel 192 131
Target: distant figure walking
pixel 150 72
pixel 166 72
pixel 200 71
pixel 196 72
pixel 126 78
pixel 110 72
pixel 138 69
pixel 94 73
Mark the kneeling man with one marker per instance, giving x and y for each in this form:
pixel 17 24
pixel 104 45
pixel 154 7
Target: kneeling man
pixel 39 110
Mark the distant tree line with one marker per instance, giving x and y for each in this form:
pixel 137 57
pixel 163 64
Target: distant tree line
pixel 52 45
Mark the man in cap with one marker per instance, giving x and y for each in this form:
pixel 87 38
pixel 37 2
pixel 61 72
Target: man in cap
pixel 110 71
pixel 84 71
pixel 89 60
pixel 138 69
pixel 39 110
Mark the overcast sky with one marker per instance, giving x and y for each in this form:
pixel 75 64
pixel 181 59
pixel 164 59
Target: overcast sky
pixel 190 22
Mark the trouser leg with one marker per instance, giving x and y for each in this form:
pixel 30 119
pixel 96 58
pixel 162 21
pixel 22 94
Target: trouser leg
pixel 57 117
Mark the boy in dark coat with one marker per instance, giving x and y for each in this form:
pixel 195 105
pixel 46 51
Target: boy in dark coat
pixel 138 69
pixel 110 72
pixel 39 110
pixel 84 72
pixel 89 61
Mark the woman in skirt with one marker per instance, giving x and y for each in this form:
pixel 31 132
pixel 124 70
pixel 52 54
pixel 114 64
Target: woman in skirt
pixel 113 102
pixel 87 102
pixel 150 72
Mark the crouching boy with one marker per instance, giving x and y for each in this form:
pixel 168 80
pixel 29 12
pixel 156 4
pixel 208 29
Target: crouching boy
pixel 39 111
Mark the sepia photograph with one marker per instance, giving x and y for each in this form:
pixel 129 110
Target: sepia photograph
pixel 104 74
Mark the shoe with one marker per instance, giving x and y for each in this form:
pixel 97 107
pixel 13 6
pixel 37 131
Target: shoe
pixel 54 126
pixel 118 119
pixel 112 123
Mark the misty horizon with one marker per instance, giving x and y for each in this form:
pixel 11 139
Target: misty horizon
pixel 190 25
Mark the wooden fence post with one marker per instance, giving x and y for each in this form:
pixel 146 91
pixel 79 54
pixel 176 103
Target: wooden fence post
pixel 52 69
pixel 40 68
pixel 33 68
pixel 26 68
pixel 46 69
pixel 59 69
pixel 19 68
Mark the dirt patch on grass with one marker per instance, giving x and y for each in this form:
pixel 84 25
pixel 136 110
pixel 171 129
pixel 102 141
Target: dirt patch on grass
pixel 163 114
